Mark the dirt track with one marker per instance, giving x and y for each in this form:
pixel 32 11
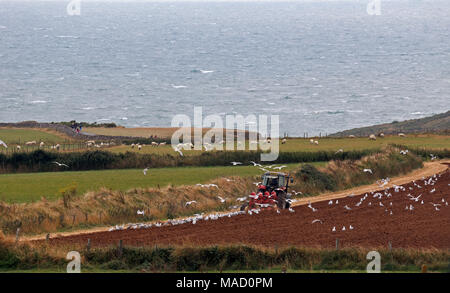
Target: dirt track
pixel 373 225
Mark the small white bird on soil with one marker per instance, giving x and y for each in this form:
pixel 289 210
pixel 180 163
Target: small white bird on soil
pixel 316 221
pixel 189 203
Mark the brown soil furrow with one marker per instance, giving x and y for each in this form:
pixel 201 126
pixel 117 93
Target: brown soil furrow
pixel 374 226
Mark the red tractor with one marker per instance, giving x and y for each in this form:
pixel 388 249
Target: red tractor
pixel 272 192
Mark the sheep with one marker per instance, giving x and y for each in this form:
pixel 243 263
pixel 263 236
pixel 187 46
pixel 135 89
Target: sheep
pixel 316 142
pixel 57 147
pixel 381 134
pixel 401 134
pixel 139 147
pixel 311 141
pixel 162 143
pixel 90 142
pixel 154 144
pixel 41 145
pixel 372 137
pixel 31 142
pixel 18 147
pixel 351 136
pixel 283 141
pixel 132 145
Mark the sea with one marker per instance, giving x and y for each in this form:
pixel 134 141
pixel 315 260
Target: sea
pixel 321 66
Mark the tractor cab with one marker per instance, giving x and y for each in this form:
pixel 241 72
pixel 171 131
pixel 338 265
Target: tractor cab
pixel 275 181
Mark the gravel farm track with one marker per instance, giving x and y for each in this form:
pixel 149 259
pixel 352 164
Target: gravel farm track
pixel 375 222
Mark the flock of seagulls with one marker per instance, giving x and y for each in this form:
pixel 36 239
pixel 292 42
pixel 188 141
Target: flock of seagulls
pixel 174 222
pixel 372 199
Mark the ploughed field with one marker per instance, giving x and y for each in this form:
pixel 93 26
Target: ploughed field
pixel 414 215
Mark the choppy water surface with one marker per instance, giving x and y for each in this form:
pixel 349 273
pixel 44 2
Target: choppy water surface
pixel 322 67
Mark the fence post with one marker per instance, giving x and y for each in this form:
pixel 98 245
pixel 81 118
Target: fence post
pixel 120 248
pixel 17 235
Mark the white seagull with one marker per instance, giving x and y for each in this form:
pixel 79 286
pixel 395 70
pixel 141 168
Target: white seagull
pixel 368 171
pixel 236 163
pixel 190 202
pixel 60 165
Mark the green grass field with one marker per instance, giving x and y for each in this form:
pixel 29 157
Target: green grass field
pixel 21 136
pixel 32 186
pixel 325 144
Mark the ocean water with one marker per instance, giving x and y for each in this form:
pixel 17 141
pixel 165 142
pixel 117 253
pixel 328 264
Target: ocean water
pixel 323 67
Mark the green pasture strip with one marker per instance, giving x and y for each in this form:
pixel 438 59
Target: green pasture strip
pixel 29 187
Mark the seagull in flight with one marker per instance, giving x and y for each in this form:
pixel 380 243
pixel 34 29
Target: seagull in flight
pixel 60 165
pixel 236 163
pixel 279 167
pixel 178 151
pixel 3 143
pixel 255 164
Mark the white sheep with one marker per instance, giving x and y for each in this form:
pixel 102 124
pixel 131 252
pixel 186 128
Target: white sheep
pixel 41 145
pixel 351 136
pixel 18 147
pixel 381 134
pixel 316 142
pixel 283 141
pixel 372 137
pixel 311 141
pixel 401 134
pixel 31 142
